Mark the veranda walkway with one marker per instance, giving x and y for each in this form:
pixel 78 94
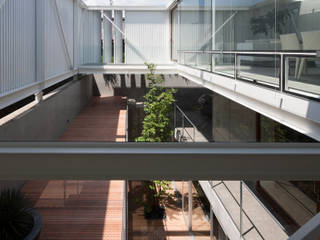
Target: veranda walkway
pixel 84 210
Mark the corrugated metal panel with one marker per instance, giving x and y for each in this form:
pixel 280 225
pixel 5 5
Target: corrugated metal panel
pixel 175 33
pixel 147 37
pixel 118 37
pixel 77 34
pixel 17 45
pixel 91 33
pixel 107 50
pixel 56 53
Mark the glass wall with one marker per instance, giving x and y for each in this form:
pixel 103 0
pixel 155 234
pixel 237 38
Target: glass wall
pixel 258 26
pixel 195 32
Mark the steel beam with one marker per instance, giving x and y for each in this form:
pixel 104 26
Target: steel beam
pixel 16 95
pixel 126 69
pixel 172 161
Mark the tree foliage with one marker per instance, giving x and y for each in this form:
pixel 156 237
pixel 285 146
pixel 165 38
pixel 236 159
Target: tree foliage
pixel 158 110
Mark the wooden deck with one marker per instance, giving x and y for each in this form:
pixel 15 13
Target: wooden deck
pixel 173 227
pixel 104 119
pixel 84 210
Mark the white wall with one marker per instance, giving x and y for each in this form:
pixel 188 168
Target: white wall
pixel 147 37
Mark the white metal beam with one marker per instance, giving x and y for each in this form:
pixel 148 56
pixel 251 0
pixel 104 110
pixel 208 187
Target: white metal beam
pixel 18 94
pixel 172 161
pixel 126 69
pixel 127 8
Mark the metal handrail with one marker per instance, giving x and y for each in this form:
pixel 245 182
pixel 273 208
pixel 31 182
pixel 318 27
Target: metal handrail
pixel 176 107
pixel 282 55
pixel 252 52
pixel 127 123
pixel 124 231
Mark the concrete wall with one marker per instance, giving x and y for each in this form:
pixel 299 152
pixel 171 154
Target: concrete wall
pixel 232 122
pixel 48 119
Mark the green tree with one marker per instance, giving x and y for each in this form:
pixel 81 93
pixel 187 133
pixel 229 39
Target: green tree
pixel 158 110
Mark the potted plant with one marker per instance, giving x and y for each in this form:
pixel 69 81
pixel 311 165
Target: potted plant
pixel 17 220
pixel 158 108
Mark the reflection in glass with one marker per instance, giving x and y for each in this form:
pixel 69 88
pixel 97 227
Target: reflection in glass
pixel 195 31
pixel 302 75
pixel 265 70
pixel 259 26
pixel 223 63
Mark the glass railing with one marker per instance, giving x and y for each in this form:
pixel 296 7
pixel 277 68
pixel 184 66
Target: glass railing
pixel 302 75
pixel 294 72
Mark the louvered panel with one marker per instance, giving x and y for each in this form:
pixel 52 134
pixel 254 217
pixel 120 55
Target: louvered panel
pixel 107 50
pixel 118 37
pixel 91 33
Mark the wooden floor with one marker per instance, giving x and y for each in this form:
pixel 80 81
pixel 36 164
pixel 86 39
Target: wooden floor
pixel 173 227
pixel 104 119
pixel 84 210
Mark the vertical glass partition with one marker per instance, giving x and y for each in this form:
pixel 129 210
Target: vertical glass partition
pixel 300 31
pixel 255 29
pixel 195 32
pixel 175 33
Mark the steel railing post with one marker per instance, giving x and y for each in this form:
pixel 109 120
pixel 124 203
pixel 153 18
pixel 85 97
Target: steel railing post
pixel 236 65
pixel 284 69
pixel 241 209
pixel 194 134
pixel 174 116
pixel 182 125
pixel 211 223
pixel 190 205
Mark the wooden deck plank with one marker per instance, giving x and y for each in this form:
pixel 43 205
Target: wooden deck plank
pixel 84 210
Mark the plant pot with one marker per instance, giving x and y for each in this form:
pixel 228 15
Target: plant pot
pixel 37 223
pixel 156 212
